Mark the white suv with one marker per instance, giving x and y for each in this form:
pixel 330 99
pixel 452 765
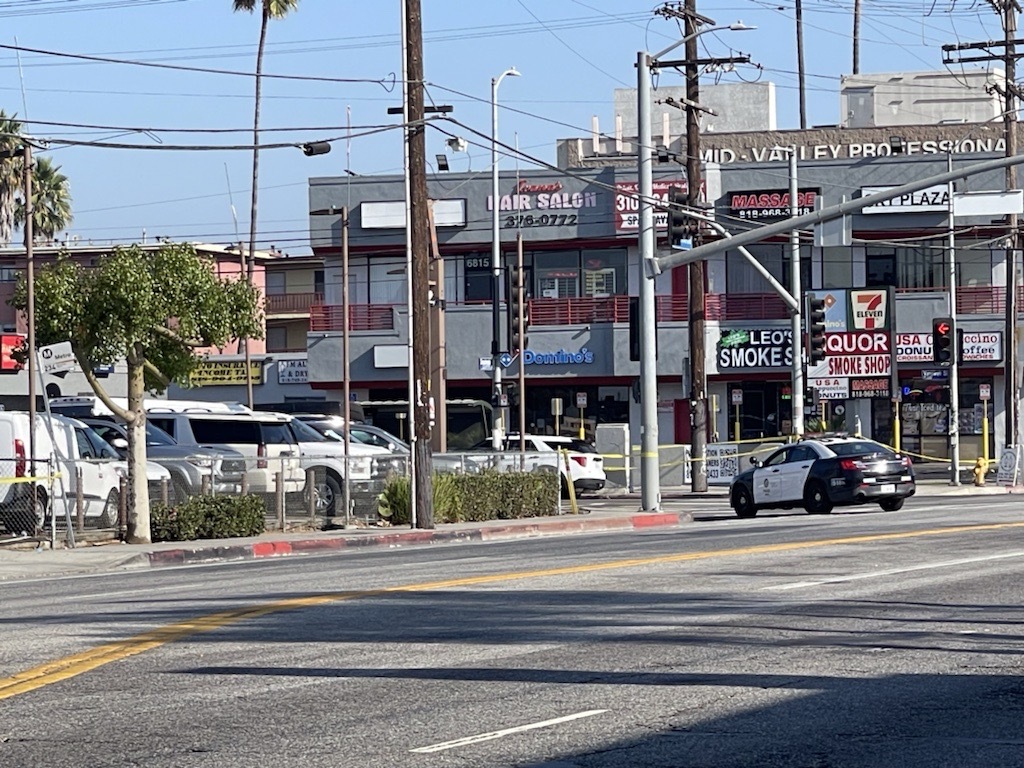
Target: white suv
pixel 265 440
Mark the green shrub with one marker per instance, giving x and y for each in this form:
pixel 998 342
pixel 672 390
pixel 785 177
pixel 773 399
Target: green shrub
pixel 209 517
pixel 489 495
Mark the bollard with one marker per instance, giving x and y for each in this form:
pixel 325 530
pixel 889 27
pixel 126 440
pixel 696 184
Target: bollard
pixel 165 491
pixel 244 489
pixel 204 486
pixel 311 494
pixel 279 498
pixel 79 501
pixel 122 510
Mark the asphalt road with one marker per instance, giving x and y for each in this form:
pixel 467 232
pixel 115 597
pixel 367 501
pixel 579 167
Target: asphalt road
pixel 858 639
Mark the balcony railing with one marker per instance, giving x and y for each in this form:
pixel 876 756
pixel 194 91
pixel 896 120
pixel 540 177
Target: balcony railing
pixel 361 317
pixel 291 303
pixel 971 300
pixel 745 306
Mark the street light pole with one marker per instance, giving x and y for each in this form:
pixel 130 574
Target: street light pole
pixel 954 364
pixel 797 397
pixel 497 428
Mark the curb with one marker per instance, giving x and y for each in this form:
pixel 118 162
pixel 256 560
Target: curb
pixel 323 545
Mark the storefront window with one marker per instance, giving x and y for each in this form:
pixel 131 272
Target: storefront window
pixel 925 413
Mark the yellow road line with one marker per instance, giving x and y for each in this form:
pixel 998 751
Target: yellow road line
pixel 79 663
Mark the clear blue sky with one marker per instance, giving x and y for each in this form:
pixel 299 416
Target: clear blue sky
pixel 571 53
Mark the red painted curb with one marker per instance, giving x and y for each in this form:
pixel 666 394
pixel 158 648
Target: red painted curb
pixel 654 519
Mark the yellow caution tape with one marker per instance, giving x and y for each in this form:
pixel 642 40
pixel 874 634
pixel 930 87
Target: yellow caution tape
pixel 42 478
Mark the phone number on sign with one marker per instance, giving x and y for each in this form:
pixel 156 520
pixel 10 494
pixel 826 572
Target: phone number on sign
pixel 542 220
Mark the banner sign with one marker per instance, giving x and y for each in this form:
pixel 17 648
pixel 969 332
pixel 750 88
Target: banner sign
pixel 741 349
pixel 627 204
pixel 928 200
pixel 214 373
pixel 975 347
pixel 291 372
pixel 771 205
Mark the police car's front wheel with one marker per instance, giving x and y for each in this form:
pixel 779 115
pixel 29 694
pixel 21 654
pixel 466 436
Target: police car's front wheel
pixel 742 503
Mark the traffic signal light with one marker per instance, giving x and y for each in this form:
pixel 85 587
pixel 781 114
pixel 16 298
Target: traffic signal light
pixel 815 330
pixel 681 227
pixel 518 310
pixel 943 335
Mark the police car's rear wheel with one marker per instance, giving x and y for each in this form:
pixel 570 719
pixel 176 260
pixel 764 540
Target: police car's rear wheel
pixel 816 500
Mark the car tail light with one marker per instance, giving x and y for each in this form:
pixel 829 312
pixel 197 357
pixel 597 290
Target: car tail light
pixel 19 456
pixel 851 464
pixel 581 460
pixel 261 456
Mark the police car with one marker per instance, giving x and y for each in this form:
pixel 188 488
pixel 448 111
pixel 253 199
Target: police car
pixel 821 473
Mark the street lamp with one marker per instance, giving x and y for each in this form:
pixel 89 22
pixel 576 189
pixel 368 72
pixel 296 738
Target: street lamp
pixel 498 426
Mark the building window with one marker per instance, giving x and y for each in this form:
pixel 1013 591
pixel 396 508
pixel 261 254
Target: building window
pixel 478 276
pixel 919 268
pixel 880 268
pixel 318 281
pixel 277 338
pixel 557 274
pixel 741 277
pixel 276 284
pixel 604 273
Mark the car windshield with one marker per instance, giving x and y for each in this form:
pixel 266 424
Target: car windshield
pixel 861 448
pixel 306 434
pixel 156 436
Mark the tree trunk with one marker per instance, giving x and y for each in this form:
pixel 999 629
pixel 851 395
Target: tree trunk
pixel 138 486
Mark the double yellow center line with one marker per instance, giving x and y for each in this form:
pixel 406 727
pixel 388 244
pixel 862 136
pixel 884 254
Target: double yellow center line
pixel 79 663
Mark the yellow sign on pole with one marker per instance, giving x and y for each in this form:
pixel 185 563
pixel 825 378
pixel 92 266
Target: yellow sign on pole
pixel 223 373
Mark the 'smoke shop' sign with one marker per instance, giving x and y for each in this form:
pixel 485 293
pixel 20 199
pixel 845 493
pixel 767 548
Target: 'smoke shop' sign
pixel 744 349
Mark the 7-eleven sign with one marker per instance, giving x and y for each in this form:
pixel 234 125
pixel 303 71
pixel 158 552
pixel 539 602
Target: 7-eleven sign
pixel 869 308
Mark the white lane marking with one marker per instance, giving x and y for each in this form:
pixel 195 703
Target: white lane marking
pixel 466 740
pixel 890 572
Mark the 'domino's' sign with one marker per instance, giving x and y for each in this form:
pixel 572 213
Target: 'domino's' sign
pixel 561 357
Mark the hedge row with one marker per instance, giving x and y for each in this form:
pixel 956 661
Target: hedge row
pixel 209 517
pixel 489 495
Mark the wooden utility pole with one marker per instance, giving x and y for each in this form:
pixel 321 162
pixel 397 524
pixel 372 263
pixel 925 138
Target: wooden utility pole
pixel 856 37
pixel 800 63
pixel 1008 10
pixel 422 483
pixel 695 288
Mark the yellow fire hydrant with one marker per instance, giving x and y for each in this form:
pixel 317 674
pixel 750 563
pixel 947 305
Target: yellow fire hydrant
pixel 980 470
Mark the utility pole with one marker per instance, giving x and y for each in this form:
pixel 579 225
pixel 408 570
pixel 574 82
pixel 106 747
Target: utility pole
pixel 30 308
pixel 800 63
pixel 695 287
pixel 422 483
pixel 1009 10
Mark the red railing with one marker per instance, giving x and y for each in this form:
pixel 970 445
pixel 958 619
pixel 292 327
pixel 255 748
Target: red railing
pixel 579 311
pixel 674 307
pixel 974 299
pixel 361 317
pixel 292 302
pixel 745 306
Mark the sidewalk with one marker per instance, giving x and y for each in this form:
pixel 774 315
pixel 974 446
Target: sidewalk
pixel 616 510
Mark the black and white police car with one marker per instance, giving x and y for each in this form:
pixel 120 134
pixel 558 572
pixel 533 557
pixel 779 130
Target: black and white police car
pixel 821 473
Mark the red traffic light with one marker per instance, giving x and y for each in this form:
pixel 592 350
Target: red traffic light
pixel 942 327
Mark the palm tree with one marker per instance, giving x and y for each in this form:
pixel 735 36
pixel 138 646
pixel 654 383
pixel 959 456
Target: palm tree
pixel 272 9
pixel 10 173
pixel 51 201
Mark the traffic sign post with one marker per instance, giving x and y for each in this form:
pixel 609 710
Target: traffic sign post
pixel 737 400
pixel 984 394
pixel 581 404
pixel 556 411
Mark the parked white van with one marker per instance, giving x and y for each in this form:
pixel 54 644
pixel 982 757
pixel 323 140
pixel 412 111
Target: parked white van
pixel 62 446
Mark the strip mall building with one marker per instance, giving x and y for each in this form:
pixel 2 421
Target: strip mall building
pixel 579 229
